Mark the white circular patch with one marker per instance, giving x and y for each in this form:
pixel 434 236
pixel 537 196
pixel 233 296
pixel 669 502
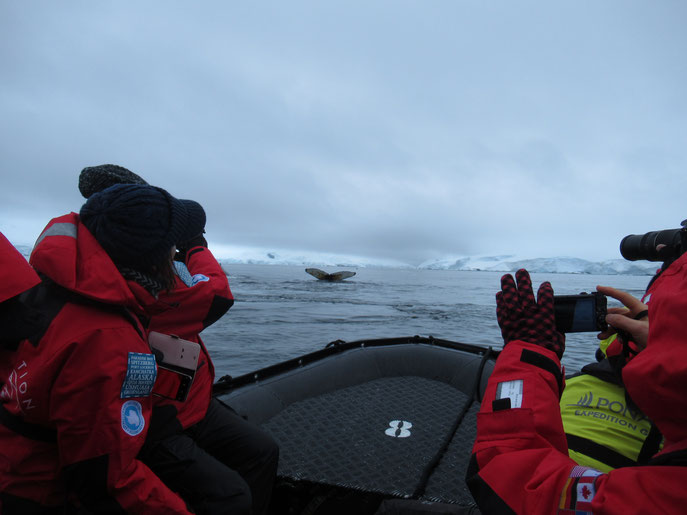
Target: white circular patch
pixel 132 418
pixel 399 429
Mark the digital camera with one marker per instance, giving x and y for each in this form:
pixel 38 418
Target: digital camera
pixel 580 313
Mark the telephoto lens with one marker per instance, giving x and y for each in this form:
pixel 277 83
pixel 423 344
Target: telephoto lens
pixel 636 247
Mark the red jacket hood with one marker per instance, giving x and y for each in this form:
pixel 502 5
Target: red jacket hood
pixel 16 276
pixel 657 377
pixel 68 254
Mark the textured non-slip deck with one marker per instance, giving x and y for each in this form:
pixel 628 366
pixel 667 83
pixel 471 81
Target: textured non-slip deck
pixel 447 482
pixel 379 436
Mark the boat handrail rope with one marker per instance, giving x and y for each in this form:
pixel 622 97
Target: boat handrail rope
pixel 227 383
pixel 477 389
pixel 474 397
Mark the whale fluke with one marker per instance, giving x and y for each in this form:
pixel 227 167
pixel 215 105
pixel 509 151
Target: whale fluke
pixel 324 276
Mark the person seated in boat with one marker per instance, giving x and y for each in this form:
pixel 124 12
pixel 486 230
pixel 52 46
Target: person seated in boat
pixel 603 426
pixel 221 461
pixel 520 461
pixel 76 398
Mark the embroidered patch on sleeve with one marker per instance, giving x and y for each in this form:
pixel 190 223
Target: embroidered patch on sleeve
pixel 141 372
pixel 133 421
pixel 510 390
pixel 579 491
pixel 199 278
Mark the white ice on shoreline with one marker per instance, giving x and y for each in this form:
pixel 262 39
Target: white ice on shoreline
pixel 555 265
pixel 503 263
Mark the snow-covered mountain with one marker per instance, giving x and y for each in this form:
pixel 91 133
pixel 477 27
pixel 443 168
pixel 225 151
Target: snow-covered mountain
pixel 502 263
pixel 262 256
pixel 555 265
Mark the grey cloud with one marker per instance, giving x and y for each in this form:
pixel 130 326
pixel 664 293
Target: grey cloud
pixel 389 129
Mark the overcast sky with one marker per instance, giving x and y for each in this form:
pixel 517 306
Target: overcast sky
pixel 387 129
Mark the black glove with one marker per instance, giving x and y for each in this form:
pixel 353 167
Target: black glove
pixel 183 248
pixel 521 318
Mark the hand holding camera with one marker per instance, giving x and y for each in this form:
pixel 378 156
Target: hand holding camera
pixel 632 319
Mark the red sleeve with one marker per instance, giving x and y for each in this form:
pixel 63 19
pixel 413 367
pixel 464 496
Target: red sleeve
pixel 195 307
pixel 102 414
pixel 520 443
pixel 520 461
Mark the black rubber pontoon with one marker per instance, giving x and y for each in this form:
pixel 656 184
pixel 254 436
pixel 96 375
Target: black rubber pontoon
pixel 394 417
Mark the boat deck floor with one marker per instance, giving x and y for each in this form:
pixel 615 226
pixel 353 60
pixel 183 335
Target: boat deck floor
pixel 404 436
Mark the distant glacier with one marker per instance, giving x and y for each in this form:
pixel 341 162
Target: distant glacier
pixel 553 265
pixel 501 263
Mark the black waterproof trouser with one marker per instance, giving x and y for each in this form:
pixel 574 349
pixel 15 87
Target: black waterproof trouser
pixel 221 465
pixel 12 505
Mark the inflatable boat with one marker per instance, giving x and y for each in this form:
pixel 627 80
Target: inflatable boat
pixel 365 423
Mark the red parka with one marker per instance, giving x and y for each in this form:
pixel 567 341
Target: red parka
pixel 78 400
pixel 191 308
pixel 520 460
pixel 16 276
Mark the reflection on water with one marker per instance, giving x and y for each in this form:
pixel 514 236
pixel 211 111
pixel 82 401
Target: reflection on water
pixel 281 312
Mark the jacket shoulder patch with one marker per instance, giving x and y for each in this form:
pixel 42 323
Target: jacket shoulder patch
pixel 579 491
pixel 133 421
pixel 141 372
pixel 199 278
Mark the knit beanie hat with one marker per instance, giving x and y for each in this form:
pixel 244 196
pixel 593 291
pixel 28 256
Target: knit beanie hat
pixel 137 225
pixel 93 179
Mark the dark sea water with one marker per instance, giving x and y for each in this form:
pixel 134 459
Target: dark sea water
pixel 281 312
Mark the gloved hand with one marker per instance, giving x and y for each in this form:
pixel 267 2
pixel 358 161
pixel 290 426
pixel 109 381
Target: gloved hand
pixel 521 318
pixel 183 248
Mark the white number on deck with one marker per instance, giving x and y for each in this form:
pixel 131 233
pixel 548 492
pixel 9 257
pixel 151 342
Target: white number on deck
pixel 399 429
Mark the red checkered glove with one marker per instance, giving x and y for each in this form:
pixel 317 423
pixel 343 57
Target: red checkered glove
pixel 521 318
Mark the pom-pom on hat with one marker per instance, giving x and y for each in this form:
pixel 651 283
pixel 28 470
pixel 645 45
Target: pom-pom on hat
pixel 93 179
pixel 137 225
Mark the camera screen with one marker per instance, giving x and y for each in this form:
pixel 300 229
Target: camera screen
pixel 576 313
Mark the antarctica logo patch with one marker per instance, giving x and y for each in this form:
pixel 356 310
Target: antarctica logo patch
pixel 132 418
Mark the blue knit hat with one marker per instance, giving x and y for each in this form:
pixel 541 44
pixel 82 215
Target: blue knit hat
pixel 94 179
pixel 137 225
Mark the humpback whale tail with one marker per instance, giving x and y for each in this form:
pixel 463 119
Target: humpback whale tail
pixel 324 276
